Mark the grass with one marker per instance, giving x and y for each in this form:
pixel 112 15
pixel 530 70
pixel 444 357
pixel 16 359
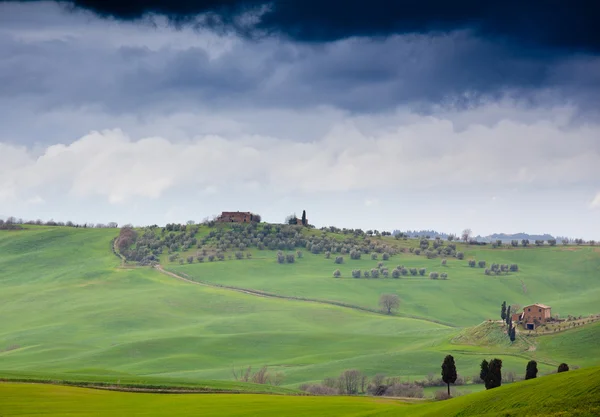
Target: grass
pixel 561 278
pixel 574 393
pixel 75 315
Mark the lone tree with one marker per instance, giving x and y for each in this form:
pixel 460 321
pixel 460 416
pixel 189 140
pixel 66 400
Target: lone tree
pixel 531 371
pixel 503 311
pixel 466 235
pixel 389 302
pixel 485 367
pixel 563 367
pixel 303 217
pixel 493 378
pixel 449 371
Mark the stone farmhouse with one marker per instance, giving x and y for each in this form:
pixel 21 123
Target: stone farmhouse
pixel 237 217
pixel 535 314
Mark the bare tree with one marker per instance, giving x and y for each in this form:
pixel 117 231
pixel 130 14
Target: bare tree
pixel 466 235
pixel 349 381
pixel 389 302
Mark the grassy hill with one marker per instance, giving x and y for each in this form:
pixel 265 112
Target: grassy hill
pixel 562 278
pixel 574 393
pixel 76 314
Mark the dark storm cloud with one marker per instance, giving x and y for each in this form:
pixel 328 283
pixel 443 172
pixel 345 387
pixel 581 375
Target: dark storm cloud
pixel 548 24
pixel 358 74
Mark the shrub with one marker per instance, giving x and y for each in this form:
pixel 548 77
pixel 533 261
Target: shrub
pixel 239 255
pixel 417 251
pixel 395 273
pixel 422 271
pixel 318 389
pixel 460 255
pixel 299 254
pixel 374 273
pixel 487 271
pixel 355 254
pixel 444 275
pixel 327 255
pixel 442 395
pixel 444 261
pixel 385 256
pixel 374 256
pixel 356 273
pixel 404 271
pixel 339 260
pixel 404 390
pixel 337 273
pixel 514 268
pixel 200 258
pixel 472 263
pixel 190 259
pixel 366 274
pixel 481 264
pixel 290 258
pixel 434 275
pixel 413 271
pixel 385 273
pixel 211 257
pixel 280 258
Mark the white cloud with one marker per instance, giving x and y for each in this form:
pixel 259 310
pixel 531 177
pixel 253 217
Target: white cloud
pixel 422 152
pixel 596 201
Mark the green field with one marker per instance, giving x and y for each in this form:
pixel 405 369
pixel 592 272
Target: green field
pixel 70 311
pixel 574 393
pixel 561 277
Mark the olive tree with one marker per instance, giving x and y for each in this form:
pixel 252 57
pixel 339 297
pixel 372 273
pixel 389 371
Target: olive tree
pixel 389 302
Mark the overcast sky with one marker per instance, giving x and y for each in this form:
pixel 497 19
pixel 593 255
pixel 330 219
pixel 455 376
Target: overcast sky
pixel 400 124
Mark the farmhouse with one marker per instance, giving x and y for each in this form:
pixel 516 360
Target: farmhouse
pixel 237 217
pixel 534 315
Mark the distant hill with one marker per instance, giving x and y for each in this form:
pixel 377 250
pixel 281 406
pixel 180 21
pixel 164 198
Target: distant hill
pixel 504 237
pixel 515 236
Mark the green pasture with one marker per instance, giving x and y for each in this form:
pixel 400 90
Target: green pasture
pixel 573 393
pixel 565 278
pixel 69 311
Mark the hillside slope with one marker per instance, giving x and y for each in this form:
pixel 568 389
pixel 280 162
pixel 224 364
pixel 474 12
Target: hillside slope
pixel 74 311
pixel 574 393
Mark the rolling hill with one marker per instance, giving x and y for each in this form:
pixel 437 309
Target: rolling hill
pixel 76 313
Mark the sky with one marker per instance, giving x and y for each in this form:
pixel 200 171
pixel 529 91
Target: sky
pixel 379 115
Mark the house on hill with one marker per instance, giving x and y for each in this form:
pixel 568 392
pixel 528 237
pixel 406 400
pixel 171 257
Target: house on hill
pixel 237 217
pixel 535 314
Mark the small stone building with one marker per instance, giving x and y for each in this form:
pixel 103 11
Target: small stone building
pixel 235 217
pixel 535 314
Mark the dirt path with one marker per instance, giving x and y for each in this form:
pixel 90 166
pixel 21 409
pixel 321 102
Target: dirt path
pixel 258 293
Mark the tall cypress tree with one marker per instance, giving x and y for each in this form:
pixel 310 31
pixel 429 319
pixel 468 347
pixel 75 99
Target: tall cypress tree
pixel 508 317
pixel 532 370
pixel 493 378
pixel 303 217
pixel 512 333
pixel 503 311
pixel 485 366
pixel 449 374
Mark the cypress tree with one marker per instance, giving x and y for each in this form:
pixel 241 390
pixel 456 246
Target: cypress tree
pixel 303 217
pixel 485 366
pixel 493 378
pixel 503 311
pixel 531 371
pixel 508 317
pixel 449 371
pixel 513 333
